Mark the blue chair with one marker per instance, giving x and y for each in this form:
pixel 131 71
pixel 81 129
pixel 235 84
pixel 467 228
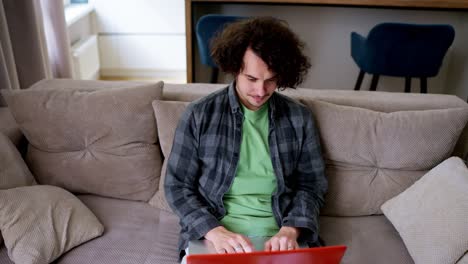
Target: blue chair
pixel 402 50
pixel 207 27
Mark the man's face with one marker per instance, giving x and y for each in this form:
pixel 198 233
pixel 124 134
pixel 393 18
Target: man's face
pixel 255 83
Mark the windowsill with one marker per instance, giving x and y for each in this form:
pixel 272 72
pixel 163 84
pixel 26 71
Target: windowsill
pixel 75 12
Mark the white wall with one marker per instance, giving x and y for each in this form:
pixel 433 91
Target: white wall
pixel 326 30
pixel 141 37
pixel 81 29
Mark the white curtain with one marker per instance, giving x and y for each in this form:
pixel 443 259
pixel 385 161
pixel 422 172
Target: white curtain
pixel 58 41
pixel 34 43
pixel 8 75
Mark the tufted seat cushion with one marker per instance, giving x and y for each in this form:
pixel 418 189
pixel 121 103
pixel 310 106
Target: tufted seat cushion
pixel 89 140
pixel 136 233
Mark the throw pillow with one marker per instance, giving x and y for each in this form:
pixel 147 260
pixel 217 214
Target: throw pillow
pixel 431 215
pixel 372 156
pixel 99 141
pixel 464 259
pixel 40 223
pixel 13 171
pixel 167 115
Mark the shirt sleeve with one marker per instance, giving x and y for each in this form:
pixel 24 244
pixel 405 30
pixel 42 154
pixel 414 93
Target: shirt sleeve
pixel 182 180
pixel 311 186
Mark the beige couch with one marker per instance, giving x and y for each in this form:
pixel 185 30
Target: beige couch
pixel 375 144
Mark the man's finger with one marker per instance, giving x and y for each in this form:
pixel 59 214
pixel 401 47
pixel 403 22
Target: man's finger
pixel 220 250
pixel 267 246
pixel 283 243
pixel 246 244
pixel 239 249
pixel 229 248
pixel 296 245
pixel 235 243
pixel 291 245
pixel 275 245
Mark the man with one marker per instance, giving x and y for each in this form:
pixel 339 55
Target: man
pixel 246 161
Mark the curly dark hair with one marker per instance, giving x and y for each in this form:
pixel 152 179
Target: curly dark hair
pixel 271 40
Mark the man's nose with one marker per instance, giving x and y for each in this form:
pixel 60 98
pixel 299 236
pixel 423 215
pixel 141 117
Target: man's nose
pixel 260 88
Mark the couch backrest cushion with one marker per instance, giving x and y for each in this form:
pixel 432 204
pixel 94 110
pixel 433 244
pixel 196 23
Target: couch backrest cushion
pixel 167 115
pixel 372 156
pixel 189 92
pixel 378 101
pixel 92 139
pixel 84 85
pixel 365 99
pixel 388 102
pixel 348 196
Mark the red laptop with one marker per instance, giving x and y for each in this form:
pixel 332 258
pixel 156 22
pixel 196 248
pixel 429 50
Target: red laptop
pixel 319 255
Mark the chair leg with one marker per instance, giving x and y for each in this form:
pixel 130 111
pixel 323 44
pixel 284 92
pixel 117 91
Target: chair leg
pixel 214 75
pixel 423 85
pixel 359 81
pixel 375 80
pixel 407 84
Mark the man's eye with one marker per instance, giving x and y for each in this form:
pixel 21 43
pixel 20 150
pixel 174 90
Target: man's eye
pixel 252 79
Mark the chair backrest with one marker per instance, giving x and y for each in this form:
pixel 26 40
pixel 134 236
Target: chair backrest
pixel 207 27
pixel 409 49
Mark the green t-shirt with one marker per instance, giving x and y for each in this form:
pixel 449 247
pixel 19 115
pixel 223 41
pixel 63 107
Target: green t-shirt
pixel 248 201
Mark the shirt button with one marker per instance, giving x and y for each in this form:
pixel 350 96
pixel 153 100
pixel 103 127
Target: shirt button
pixel 236 155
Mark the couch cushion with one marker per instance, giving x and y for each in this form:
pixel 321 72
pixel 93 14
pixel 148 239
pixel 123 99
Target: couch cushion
pixel 374 100
pixel 136 233
pixel 90 85
pixel 9 127
pixel 431 216
pixel 167 115
pixel 39 223
pixel 190 91
pixel 464 259
pixel 100 141
pixel 387 102
pixel 13 171
pixel 378 101
pixel 372 156
pixel 4 259
pixel 370 239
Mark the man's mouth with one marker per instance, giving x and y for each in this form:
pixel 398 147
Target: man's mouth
pixel 258 99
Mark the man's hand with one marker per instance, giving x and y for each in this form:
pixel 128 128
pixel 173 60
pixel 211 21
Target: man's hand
pixel 226 241
pixel 285 239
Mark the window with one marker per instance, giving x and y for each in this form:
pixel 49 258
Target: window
pixel 69 2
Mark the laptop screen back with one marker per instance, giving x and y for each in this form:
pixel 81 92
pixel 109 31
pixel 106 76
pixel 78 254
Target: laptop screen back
pixel 320 255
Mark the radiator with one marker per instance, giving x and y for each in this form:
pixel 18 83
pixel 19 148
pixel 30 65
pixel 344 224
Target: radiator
pixel 85 56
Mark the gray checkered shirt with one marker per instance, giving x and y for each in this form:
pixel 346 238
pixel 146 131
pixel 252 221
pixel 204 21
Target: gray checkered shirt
pixel 205 154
